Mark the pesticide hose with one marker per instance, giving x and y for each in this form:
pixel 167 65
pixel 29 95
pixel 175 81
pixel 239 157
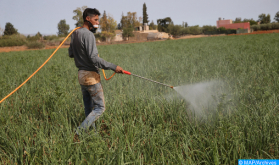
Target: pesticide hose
pixel 129 73
pixel 39 67
pixel 126 72
pixel 44 65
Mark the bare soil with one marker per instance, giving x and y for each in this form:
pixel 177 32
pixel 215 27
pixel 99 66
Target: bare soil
pixel 257 32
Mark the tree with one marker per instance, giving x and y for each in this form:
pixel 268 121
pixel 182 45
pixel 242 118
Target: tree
pixel 78 17
pixel 237 20
pixel 124 22
pixel 128 32
pixel 63 28
pixel 163 24
pixel 121 22
pixel 264 19
pixel 145 15
pixel 195 30
pixel 184 24
pixel 251 21
pixel 140 19
pixel 112 24
pixel 132 19
pixel 108 26
pixel 39 36
pixel 152 26
pixel 174 30
pixel 208 28
pixel 129 21
pixel 104 22
pixel 276 18
pixel 9 29
pixel 1 31
pixel 119 26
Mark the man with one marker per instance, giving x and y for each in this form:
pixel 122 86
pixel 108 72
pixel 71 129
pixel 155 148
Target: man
pixel 84 51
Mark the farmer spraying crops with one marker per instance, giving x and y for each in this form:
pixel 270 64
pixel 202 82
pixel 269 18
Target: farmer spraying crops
pixel 84 51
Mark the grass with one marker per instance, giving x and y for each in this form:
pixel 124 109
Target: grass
pixel 140 126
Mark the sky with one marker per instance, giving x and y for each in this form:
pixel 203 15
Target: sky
pixel 32 16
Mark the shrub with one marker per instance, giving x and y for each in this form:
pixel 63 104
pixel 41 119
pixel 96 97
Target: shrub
pixel 100 37
pixel 33 38
pixel 256 27
pixel 34 45
pixel 264 27
pixel 221 29
pixel 127 32
pixel 230 31
pixel 12 40
pixel 52 43
pixel 185 31
pixel 195 30
pixel 54 40
pixel 14 37
pixel 175 30
pixel 50 37
pixel 269 26
pixel 275 26
pixel 207 28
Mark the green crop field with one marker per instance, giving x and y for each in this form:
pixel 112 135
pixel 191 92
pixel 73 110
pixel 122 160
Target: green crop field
pixel 141 125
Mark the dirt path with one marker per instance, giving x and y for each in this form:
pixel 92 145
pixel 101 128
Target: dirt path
pixel 23 48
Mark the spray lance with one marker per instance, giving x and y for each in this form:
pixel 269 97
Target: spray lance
pixel 129 73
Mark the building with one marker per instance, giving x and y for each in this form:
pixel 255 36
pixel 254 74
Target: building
pixel 118 36
pixel 229 25
pixel 142 33
pixel 145 27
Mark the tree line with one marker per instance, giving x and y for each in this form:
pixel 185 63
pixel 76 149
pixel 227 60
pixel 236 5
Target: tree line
pixel 129 22
pixel 167 25
pixel 107 24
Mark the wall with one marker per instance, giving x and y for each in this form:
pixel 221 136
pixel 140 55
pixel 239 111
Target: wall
pixel 239 31
pixel 142 36
pixel 139 37
pixel 150 31
pixel 157 35
pixel 118 37
pixel 245 25
pixel 229 25
pixel 223 22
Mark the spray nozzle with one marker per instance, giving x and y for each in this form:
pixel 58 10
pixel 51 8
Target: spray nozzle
pixel 126 72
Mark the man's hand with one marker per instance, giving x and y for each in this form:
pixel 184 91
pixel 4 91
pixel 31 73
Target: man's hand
pixel 119 70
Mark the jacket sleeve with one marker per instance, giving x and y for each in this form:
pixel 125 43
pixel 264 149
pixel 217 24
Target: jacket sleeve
pixel 92 52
